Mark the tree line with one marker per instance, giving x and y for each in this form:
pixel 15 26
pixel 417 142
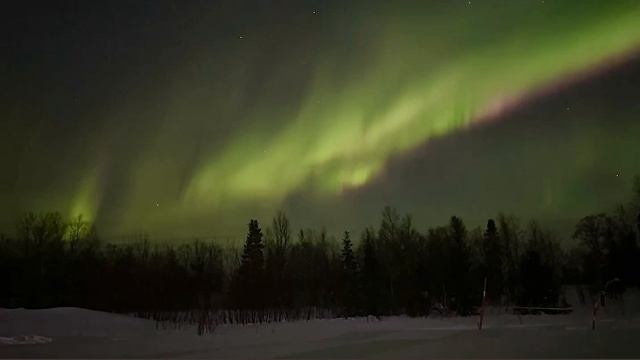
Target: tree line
pixel 281 274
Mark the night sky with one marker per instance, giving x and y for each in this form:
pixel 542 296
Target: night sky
pixel 188 118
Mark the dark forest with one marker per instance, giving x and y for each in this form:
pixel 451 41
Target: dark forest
pixel 279 274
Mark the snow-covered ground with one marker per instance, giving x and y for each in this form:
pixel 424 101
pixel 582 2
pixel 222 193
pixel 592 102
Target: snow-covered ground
pixel 74 332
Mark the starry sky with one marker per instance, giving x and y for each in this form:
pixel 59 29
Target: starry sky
pixel 187 118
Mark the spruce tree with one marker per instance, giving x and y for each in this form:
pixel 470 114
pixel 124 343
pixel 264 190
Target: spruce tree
pixel 348 257
pixel 492 260
pixel 251 269
pixel 350 268
pixel 459 267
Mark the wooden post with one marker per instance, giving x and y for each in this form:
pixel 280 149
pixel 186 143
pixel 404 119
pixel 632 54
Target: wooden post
pixel 484 297
pixel 595 310
pixel 444 290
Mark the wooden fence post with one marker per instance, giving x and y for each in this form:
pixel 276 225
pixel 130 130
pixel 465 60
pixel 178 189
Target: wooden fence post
pixel 595 310
pixel 484 296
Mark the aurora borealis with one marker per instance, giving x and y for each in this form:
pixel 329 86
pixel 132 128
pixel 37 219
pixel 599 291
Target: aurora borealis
pixel 191 117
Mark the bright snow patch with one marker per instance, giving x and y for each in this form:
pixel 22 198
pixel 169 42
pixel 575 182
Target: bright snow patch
pixel 24 340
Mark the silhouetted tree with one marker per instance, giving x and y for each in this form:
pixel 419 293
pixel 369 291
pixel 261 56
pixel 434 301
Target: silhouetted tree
pixel 250 274
pixel 462 299
pixel 388 253
pixel 350 270
pixel 510 235
pixel 349 262
pixel 370 274
pixel 43 244
pixel 539 269
pixel 594 233
pixel 492 260
pixel 622 250
pixel 277 254
pixel 438 263
pixel 410 257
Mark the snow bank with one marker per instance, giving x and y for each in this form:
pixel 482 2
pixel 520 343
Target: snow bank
pixel 69 321
pixel 81 333
pixel 24 340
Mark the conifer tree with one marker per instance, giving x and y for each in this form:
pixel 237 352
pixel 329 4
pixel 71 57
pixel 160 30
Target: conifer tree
pixel 370 275
pixel 251 269
pixel 350 268
pixel 459 266
pixel 492 260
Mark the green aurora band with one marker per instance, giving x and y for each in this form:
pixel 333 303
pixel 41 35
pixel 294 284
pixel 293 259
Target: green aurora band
pixel 343 135
pixel 400 76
